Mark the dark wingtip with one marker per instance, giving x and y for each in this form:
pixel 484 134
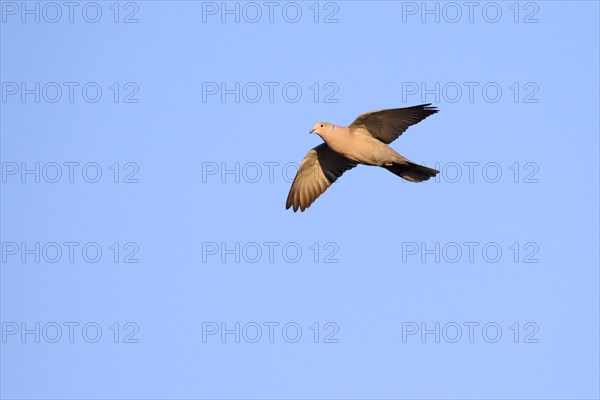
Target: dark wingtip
pixel 429 107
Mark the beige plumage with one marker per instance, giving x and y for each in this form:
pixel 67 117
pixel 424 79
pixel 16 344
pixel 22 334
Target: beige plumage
pixel 365 141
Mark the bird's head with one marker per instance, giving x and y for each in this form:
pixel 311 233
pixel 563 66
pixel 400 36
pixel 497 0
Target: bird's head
pixel 322 129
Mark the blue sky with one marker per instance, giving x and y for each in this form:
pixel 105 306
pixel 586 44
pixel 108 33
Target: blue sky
pixel 147 151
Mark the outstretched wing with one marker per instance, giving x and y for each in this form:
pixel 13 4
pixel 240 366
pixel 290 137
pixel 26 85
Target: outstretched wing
pixel 387 125
pixel 319 169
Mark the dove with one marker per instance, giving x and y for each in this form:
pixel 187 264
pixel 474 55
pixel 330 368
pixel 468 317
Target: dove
pixel 364 141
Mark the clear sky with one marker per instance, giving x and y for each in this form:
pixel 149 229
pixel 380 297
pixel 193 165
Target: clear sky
pixel 147 149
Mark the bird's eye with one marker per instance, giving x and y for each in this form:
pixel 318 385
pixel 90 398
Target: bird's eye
pixel 321 125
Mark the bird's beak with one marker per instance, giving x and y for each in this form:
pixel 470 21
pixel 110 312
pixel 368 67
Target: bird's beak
pixel 312 131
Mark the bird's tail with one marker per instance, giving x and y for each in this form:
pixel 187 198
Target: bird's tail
pixel 411 171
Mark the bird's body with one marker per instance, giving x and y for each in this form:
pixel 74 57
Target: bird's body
pixel 356 144
pixel 365 141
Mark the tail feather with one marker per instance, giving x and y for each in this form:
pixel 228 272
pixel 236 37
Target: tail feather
pixel 411 171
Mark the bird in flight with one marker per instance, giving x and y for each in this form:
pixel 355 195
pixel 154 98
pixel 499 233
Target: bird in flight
pixel 364 141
